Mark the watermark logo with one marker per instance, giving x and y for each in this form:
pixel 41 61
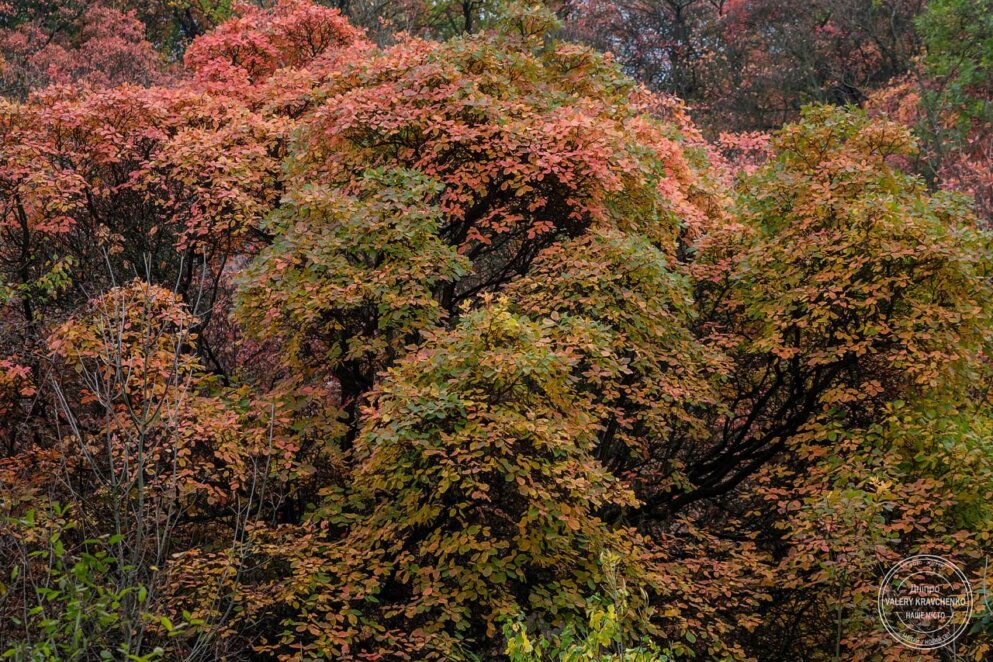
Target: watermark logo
pixel 925 602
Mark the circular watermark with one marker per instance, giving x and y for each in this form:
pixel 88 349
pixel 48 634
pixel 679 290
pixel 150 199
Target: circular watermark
pixel 925 602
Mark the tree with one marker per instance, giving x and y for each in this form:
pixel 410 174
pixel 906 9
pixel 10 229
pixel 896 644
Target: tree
pixel 478 487
pixel 842 263
pixel 91 43
pixel 947 100
pixel 752 65
pixel 258 42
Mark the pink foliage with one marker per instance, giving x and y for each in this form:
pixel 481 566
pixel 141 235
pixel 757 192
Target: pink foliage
pixel 112 50
pixel 258 42
pixel 960 162
pixel 107 49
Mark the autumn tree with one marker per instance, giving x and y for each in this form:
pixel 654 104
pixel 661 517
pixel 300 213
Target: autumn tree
pixel 402 217
pixel 89 43
pixel 844 293
pixel 752 65
pixel 946 100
